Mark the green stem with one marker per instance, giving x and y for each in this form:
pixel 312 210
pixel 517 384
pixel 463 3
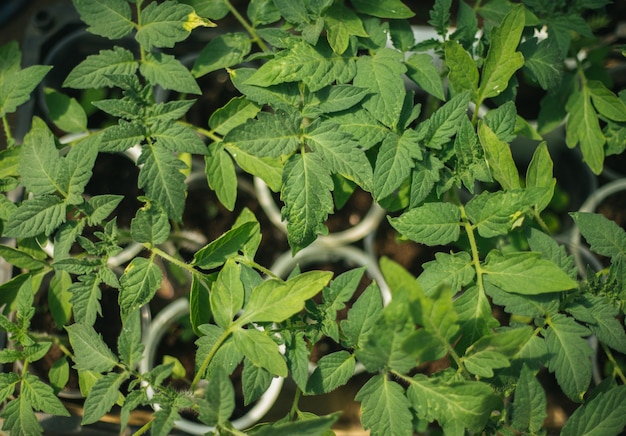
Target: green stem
pixel 251 263
pixel 617 371
pixel 293 411
pixel 7 131
pixel 144 429
pixel 208 358
pixel 208 133
pixel 171 259
pixel 541 222
pixel 251 30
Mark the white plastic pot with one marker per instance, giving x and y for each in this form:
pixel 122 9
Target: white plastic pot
pixel 159 326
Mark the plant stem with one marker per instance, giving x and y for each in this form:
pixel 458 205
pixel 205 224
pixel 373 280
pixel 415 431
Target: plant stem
pixel 293 411
pixel 251 30
pixel 617 371
pixel 7 131
pixel 171 259
pixel 208 358
pixel 251 263
pixel 143 429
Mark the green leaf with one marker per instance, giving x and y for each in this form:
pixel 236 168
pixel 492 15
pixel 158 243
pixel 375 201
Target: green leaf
pixel 95 70
pixel 604 414
pixel 140 281
pixel 275 300
pixel 162 180
pixel 11 59
pixel 444 123
pixel 169 111
pixel 121 137
pixel 455 405
pixel 337 98
pixel 440 16
pixel 103 395
pixel 199 304
pixel 569 355
pixel 496 213
pixel 123 108
pixel 234 113
pixel 539 175
pixel 21 259
pixel 167 71
pixel 16 87
pixel 294 12
pixel 606 102
pixel 333 370
pixel 39 162
pixel 393 163
pixel 255 381
pixel 221 175
pixel 226 246
pixel 227 294
pixel 426 173
pixel 529 406
pixel 600 317
pixel 219 399
pixel 111 19
pixel 317 67
pixel 526 273
pixel 475 317
pixel 495 350
pixel 223 51
pixel 524 305
pixel 297 354
pixel 59 298
pixel 381 75
pixel 583 127
pixel 166 417
pixel 463 73
pixel 129 342
pixel 430 224
pixel 422 70
pixel 213 9
pixel 261 350
pixel 165 24
pixel 502 59
pixel 342 23
pixel 455 270
pixel 76 170
pixel 543 60
pixel 90 351
pixel 499 158
pixel 305 426
pixel 271 135
pixel 150 225
pixel 20 418
pixel 35 216
pixel 308 201
pixel 41 396
pixel 384 407
pixel 471 164
pixel 85 299
pixel 362 315
pixel 65 112
pixel 178 138
pixel 603 235
pixel 339 153
pixel 270 170
pixel 545 244
pixel 383 9
pixel 502 121
pixel 363 127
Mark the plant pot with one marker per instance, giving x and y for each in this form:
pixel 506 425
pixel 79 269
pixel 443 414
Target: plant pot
pixel 160 325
